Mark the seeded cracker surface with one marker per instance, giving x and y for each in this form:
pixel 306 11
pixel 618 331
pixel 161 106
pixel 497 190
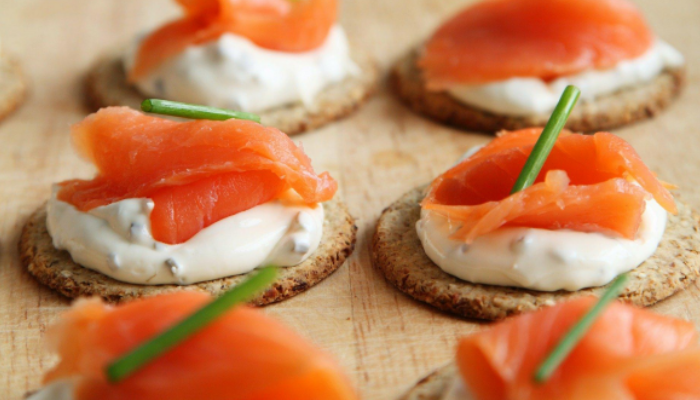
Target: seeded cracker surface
pixel 620 108
pixel 106 85
pixel 398 253
pixel 55 268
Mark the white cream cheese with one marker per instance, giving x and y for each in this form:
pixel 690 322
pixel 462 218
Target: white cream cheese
pixel 116 240
pixel 233 72
pixel 58 390
pixel 540 259
pixel 532 96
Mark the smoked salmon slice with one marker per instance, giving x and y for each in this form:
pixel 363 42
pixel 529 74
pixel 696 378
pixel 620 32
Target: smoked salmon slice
pixel 283 25
pixel 495 40
pixel 629 354
pixel 244 355
pixel 196 172
pixel 585 185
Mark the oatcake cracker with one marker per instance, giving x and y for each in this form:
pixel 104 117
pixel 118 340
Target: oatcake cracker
pixel 56 269
pixel 433 386
pixel 106 86
pixel 620 108
pixel 398 253
pixel 13 87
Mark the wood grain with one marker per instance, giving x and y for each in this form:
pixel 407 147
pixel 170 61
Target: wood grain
pixel 383 339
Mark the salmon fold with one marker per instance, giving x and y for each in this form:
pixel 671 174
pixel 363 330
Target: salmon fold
pixel 589 183
pixel 282 25
pixel 496 40
pixel 196 172
pixel 628 354
pixel 244 355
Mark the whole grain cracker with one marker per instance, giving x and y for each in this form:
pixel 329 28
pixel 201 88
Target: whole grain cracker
pixel 56 269
pixel 607 112
pixel 106 85
pixel 398 253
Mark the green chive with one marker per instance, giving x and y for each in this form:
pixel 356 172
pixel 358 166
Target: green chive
pixel 547 139
pixel 154 348
pixel 193 111
pixel 578 331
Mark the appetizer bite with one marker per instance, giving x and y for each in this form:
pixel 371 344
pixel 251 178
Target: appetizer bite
pixel 533 218
pixel 192 205
pixel 502 64
pixel 159 348
pixel 288 61
pixel 572 351
pixel 13 86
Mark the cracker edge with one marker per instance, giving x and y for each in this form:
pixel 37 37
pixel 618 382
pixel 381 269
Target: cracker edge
pixel 105 85
pixel 488 302
pixel 55 268
pixel 623 107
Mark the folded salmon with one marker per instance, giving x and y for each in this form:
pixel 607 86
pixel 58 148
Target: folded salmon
pixel 284 25
pixel 496 40
pixel 586 184
pixel 629 354
pixel 244 355
pixel 196 172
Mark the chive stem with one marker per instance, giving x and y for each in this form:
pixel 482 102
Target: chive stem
pixel 578 331
pixel 193 111
pixel 549 136
pixel 155 347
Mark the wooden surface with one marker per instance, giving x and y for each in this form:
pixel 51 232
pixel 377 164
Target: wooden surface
pixel 384 340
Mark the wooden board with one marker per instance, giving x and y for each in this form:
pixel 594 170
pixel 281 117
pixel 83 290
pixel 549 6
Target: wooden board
pixel 384 340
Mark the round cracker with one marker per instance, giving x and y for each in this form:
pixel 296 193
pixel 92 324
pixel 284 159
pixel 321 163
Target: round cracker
pixel 13 87
pixel 57 270
pixel 620 108
pixel 106 86
pixel 433 386
pixel 398 253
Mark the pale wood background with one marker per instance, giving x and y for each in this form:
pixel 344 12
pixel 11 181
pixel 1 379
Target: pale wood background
pixel 384 340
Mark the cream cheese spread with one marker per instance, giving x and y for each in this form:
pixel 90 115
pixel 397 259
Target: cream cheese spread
pixel 233 72
pixel 540 259
pixel 524 96
pixel 116 240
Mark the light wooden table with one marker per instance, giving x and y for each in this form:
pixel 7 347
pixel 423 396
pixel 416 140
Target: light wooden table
pixel 384 340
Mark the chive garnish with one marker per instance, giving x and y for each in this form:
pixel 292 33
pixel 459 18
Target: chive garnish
pixel 578 331
pixel 549 136
pixel 193 111
pixel 154 348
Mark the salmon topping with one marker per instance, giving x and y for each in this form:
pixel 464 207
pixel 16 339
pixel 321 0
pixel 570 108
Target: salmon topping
pixel 629 354
pixel 496 40
pixel 587 184
pixel 244 355
pixel 196 172
pixel 282 25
